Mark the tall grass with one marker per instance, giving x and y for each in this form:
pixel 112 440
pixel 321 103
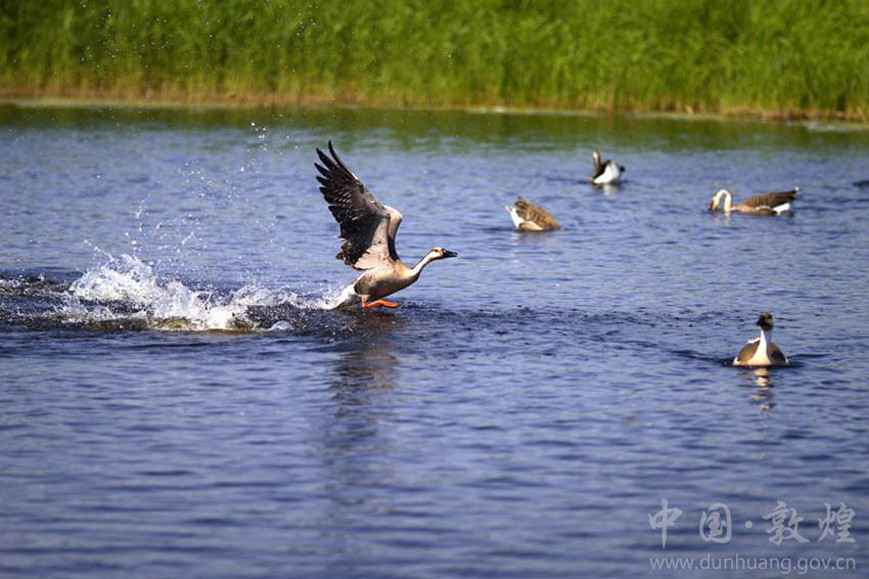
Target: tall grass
pixel 674 55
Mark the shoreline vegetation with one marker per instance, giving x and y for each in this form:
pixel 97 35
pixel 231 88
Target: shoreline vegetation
pixel 776 60
pixel 209 104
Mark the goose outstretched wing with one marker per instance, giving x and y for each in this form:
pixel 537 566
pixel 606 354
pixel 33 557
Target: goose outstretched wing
pixel 368 227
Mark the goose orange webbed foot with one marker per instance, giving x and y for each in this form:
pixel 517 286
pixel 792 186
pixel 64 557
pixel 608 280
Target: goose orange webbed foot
pixel 379 304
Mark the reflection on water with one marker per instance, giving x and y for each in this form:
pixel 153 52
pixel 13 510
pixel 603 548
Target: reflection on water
pixel 610 189
pixel 369 366
pixel 762 377
pixel 721 218
pixel 353 437
pixel 763 396
pixel 365 365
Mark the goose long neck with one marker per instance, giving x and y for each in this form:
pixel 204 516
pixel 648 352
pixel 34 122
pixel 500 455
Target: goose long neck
pixel 765 336
pixel 417 269
pixel 728 201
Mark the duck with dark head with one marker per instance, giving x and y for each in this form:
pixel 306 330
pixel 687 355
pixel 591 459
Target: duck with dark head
pixel 761 352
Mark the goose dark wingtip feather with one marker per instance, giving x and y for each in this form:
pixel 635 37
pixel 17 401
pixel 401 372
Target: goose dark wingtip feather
pixel 358 213
pixel 325 160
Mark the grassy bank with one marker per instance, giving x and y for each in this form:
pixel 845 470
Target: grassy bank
pixel 784 57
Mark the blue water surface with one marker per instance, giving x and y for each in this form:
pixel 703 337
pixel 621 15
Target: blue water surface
pixel 176 402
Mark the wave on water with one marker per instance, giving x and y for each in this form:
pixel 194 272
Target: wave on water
pixel 126 293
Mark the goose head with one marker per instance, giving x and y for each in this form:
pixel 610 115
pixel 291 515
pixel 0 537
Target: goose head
pixel 440 253
pixel 765 322
pixel 716 199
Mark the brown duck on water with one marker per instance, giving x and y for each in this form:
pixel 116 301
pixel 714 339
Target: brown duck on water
pixel 527 216
pixel 368 229
pixel 763 204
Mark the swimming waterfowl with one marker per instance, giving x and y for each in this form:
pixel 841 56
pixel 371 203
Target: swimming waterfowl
pixel 763 204
pixel 368 229
pixel 527 216
pixel 761 351
pixel 605 172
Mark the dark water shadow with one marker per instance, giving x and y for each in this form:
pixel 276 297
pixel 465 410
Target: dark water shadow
pixel 794 362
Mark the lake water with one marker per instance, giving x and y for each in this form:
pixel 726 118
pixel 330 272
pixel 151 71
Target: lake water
pixel 176 401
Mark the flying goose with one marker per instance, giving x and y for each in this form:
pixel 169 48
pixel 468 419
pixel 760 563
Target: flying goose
pixel 368 229
pixel 605 172
pixel 761 351
pixel 529 217
pixel 763 204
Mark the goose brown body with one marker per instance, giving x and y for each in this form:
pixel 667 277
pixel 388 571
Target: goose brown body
pixel 530 217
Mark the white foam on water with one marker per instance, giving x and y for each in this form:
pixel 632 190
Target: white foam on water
pixel 170 304
pixel 126 279
pixel 337 298
pixel 10 284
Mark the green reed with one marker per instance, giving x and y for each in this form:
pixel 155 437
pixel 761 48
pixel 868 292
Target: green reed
pixel 787 56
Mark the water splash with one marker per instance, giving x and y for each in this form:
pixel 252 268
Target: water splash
pixel 126 290
pixel 123 279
